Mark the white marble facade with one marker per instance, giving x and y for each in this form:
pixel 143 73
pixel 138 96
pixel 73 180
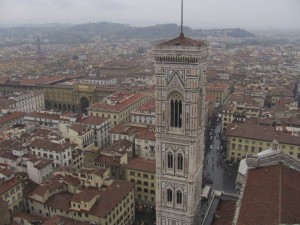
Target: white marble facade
pixel 180 76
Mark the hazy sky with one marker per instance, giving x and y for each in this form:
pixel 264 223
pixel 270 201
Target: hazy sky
pixel 197 13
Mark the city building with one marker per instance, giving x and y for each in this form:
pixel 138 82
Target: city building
pixel 79 134
pixel 39 169
pixel 145 143
pixel 48 119
pixel 99 80
pixel 28 101
pixel 11 119
pixel 220 90
pixel 269 192
pixel 64 196
pixel 142 173
pixel 11 191
pixel 145 114
pixel 60 152
pixel 100 127
pixel 117 107
pixel 180 70
pixel 244 139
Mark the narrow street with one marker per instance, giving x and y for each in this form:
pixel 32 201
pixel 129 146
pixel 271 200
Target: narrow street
pixel 219 175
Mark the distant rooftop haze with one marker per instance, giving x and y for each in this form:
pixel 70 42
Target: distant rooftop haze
pixel 249 14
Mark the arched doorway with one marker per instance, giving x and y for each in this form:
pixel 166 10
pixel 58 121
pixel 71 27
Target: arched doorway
pixel 84 104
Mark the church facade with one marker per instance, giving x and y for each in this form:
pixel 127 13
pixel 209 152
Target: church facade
pixel 180 76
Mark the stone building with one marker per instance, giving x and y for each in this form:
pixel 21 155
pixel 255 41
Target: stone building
pixel 180 69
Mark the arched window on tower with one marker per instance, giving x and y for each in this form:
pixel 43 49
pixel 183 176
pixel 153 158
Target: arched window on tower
pixel 169 195
pixel 170 160
pixel 178 197
pixel 176 111
pixel 179 162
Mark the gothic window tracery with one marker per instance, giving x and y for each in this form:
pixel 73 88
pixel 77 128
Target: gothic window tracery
pixel 179 197
pixel 169 195
pixel 176 110
pixel 170 160
pixel 179 162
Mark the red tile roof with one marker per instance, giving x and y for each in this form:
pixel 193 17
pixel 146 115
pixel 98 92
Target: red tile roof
pixel 48 145
pixel 140 164
pixel 219 87
pixel 46 116
pixel 93 120
pixel 85 195
pixel 271 196
pixel 12 116
pixel 147 107
pixel 53 184
pixel 111 197
pixel 253 131
pixel 225 213
pixel 117 107
pixel 58 220
pixel 181 40
pixel 79 128
pixel 60 201
pixel 108 160
pixel 28 217
pixel 8 184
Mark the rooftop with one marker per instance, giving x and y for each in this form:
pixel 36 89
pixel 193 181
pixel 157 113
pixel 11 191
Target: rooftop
pixel 140 164
pixel 271 196
pixel 181 40
pixel 117 102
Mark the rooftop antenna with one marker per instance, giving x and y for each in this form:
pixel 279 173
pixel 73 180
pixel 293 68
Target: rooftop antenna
pixel 181 33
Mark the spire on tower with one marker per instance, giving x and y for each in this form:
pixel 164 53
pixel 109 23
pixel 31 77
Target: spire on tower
pixel 181 31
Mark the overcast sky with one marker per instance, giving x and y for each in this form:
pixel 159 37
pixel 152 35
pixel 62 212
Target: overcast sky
pixel 249 14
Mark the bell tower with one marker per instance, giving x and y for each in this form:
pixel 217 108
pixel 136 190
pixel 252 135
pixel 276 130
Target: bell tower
pixel 180 76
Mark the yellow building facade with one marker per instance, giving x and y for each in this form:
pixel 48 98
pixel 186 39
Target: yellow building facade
pixel 243 139
pixel 142 173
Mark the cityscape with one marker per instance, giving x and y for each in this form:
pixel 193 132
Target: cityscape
pixel 106 123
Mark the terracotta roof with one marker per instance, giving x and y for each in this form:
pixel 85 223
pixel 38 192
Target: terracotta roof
pixel 6 172
pixel 147 107
pixel 8 155
pixel 141 164
pixel 225 213
pixel 74 181
pixel 85 195
pixel 271 196
pixel 108 160
pixel 11 116
pixel 28 217
pixel 117 107
pixel 48 145
pixel 53 184
pixel 29 187
pixel 60 201
pixel 253 131
pixel 219 87
pixel 8 184
pixel 138 131
pixel 146 134
pixel 40 163
pixel 93 120
pixel 58 220
pixel 111 197
pixel 121 144
pixel 181 40
pixel 79 128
